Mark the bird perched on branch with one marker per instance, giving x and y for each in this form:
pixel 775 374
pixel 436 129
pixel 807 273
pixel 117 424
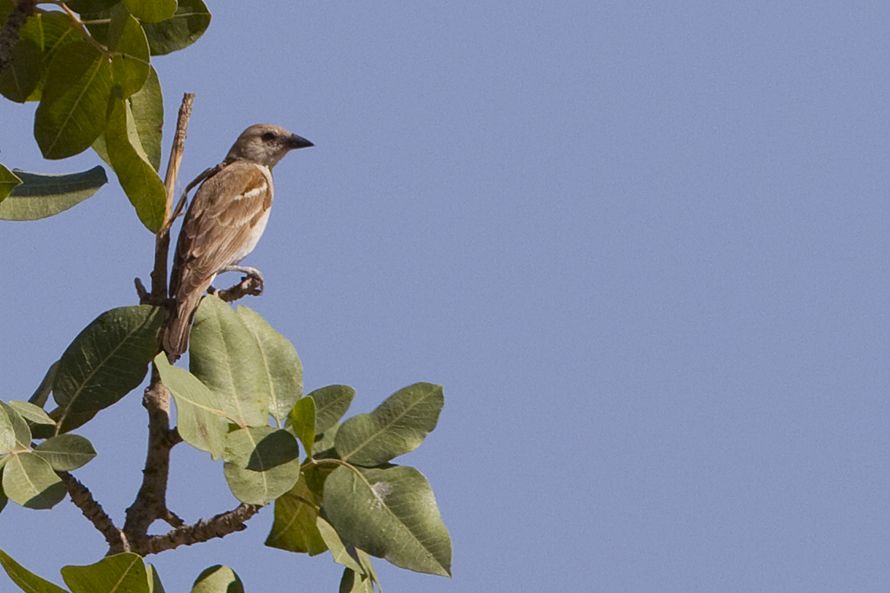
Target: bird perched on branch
pixel 224 222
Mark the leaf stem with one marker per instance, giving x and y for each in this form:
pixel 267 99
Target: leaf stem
pixel 79 24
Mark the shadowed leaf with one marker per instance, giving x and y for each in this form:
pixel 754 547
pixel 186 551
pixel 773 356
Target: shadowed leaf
pixel 8 182
pixel 151 11
pixel 218 579
pixel 331 403
pixel 40 196
pixel 23 72
pixel 129 53
pixel 261 463
pixel 105 361
pixel 302 421
pixel 294 528
pixel 188 23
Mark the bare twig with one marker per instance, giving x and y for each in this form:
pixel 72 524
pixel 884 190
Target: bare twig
pixel 93 511
pixel 218 526
pixel 9 35
pixel 249 285
pixel 150 503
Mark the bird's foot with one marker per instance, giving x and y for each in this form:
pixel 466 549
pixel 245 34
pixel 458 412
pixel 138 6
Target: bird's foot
pixel 251 284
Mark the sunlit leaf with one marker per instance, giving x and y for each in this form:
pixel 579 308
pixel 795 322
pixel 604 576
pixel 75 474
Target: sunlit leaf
pixel 121 573
pixel 40 196
pixel 218 579
pixel 200 417
pixel 339 551
pixel 30 481
pixel 26 580
pixel 41 425
pixel 137 176
pixel 107 360
pixel 151 11
pixel 72 109
pixel 395 427
pixel 21 432
pixel 302 422
pixel 282 366
pixel 261 463
pixel 390 513
pixel 224 355
pixel 331 403
pixel 147 113
pixel 66 452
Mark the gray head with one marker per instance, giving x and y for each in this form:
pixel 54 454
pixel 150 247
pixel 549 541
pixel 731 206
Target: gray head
pixel 265 144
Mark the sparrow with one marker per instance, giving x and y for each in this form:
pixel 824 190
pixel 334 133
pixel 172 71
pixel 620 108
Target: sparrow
pixel 224 222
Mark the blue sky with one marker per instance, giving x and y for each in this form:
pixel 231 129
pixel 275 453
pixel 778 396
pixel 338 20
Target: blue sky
pixel 643 245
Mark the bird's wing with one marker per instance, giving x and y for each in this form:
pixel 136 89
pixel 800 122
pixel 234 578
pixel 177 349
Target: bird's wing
pixel 221 224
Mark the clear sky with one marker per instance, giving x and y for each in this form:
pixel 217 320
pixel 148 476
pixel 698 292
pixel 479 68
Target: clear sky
pixel 643 245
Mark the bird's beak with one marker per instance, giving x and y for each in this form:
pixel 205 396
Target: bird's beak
pixel 294 142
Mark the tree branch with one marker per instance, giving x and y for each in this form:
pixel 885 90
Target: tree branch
pixel 9 35
pixel 218 526
pixel 150 503
pixel 93 511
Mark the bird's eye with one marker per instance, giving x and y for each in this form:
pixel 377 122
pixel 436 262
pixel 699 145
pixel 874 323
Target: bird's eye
pixel 269 136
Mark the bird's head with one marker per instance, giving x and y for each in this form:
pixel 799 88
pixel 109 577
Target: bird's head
pixel 265 144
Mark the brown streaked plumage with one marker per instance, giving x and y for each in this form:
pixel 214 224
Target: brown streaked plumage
pixel 224 222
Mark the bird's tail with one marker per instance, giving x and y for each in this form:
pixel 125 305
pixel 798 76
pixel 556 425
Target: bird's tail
pixel 176 334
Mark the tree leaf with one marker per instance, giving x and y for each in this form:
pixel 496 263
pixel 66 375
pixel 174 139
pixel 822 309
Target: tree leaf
pixel 66 452
pixel 26 580
pixel 353 582
pixel 331 403
pixel 72 109
pixel 294 528
pixel 147 114
pixel 218 579
pixel 151 11
pixel 8 182
pixel 262 463
pixel 390 513
pixel 200 417
pixel 41 425
pixel 40 196
pixel 154 579
pixel 107 360
pixel 29 481
pixel 281 364
pixel 22 74
pixel 121 573
pixel 302 421
pixel 365 560
pixel 324 443
pixel 7 433
pixel 21 432
pixel 88 6
pixel 135 173
pixel 188 23
pixel 41 394
pixel 339 551
pixel 225 357
pixel 129 52
pixel 395 427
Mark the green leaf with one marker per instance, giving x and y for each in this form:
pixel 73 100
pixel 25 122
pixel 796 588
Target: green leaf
pixel 154 579
pixel 66 452
pixel 107 360
pixel 40 196
pixel 302 420
pixel 395 427
pixel 188 23
pixel 7 432
pixel 281 365
pixel 20 430
pixel 331 403
pixel 147 114
pixel 121 573
pixel 151 11
pixel 41 394
pixel 324 443
pixel 294 528
pixel 26 580
pixel 218 579
pixel 8 182
pixel 23 72
pixel 129 53
pixel 29 481
pixel 390 513
pixel 353 582
pixel 41 425
pixel 339 551
pixel 262 463
pixel 135 173
pixel 224 355
pixel 200 417
pixel 3 497
pixel 75 97
pixel 365 560
pixel 86 6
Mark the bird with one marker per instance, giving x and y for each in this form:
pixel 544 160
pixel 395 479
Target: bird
pixel 223 223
